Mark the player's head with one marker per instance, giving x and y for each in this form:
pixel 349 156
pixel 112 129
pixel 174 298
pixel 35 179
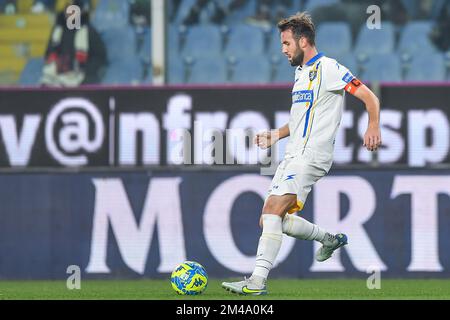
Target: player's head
pixel 297 34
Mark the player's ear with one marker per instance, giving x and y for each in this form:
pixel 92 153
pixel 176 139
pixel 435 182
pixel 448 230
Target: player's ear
pixel 303 42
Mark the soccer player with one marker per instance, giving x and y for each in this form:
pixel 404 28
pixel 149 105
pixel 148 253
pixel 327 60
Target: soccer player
pixel 317 105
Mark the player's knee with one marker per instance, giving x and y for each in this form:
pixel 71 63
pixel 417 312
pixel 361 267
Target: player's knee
pixel 279 205
pixel 273 208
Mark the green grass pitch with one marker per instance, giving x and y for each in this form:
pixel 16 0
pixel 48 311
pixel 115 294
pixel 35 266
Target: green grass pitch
pixel 286 289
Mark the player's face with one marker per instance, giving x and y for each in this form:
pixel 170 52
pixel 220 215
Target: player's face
pixel 291 48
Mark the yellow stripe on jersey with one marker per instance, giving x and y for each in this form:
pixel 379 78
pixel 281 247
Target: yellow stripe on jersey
pixel 309 88
pixel 313 108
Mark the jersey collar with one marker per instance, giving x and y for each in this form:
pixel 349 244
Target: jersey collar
pixel 311 61
pixel 314 59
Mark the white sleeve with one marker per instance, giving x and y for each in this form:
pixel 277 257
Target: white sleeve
pixel 336 76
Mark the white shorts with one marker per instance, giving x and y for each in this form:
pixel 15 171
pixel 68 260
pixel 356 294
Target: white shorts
pixel 297 175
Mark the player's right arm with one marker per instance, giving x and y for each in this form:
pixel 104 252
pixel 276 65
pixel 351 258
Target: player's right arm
pixel 266 139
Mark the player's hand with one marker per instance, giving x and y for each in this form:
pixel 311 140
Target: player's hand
pixel 372 138
pixel 265 139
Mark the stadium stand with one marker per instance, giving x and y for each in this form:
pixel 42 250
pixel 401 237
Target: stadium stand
pixel 183 10
pixel 383 67
pixel 248 10
pixel 251 69
pixel 349 61
pixel 124 72
pixel 32 72
pixel 111 14
pixel 375 41
pixel 176 70
pixel 311 5
pixel 208 70
pixel 144 48
pixel 24 36
pixel 275 45
pixel 429 67
pixel 284 72
pixel 416 36
pixel 120 43
pixel 245 40
pixel 203 40
pixel 334 38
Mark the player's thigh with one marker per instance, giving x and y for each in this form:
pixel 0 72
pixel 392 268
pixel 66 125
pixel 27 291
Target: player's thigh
pixel 303 175
pixel 278 176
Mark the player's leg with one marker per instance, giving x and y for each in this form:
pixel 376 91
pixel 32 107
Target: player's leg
pixel 274 210
pixel 302 229
pixel 299 227
pixel 269 245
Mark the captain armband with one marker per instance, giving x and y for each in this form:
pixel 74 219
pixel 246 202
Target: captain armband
pixel 353 85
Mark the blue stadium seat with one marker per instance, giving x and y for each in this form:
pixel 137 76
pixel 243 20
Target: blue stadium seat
pixel 148 79
pixel 183 10
pixel 32 72
pixel 313 4
pixel 203 40
pixel 245 40
pixel 208 70
pixel 429 67
pixel 349 61
pixel 334 38
pixel 251 69
pixel 175 70
pixel 239 15
pixel 383 67
pixel 173 38
pixel 375 41
pixel 111 14
pixel 414 38
pixel 145 52
pixel 120 43
pixel 275 44
pixel 123 72
pixel 412 7
pixel 285 73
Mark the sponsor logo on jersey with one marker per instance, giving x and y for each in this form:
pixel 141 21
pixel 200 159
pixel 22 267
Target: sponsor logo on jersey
pixel 312 75
pixel 347 77
pixel 303 96
pixel 290 177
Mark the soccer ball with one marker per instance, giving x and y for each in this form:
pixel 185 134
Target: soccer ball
pixel 189 278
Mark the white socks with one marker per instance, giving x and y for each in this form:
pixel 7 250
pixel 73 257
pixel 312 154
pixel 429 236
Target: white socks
pixel 270 240
pixel 269 245
pixel 300 228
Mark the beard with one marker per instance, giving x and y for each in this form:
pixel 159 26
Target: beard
pixel 297 60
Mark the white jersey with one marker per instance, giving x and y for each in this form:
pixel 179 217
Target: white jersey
pixel 317 106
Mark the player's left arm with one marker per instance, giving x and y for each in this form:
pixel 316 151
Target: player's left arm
pixel 372 137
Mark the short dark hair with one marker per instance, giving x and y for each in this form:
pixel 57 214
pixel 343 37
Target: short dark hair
pixel 301 25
